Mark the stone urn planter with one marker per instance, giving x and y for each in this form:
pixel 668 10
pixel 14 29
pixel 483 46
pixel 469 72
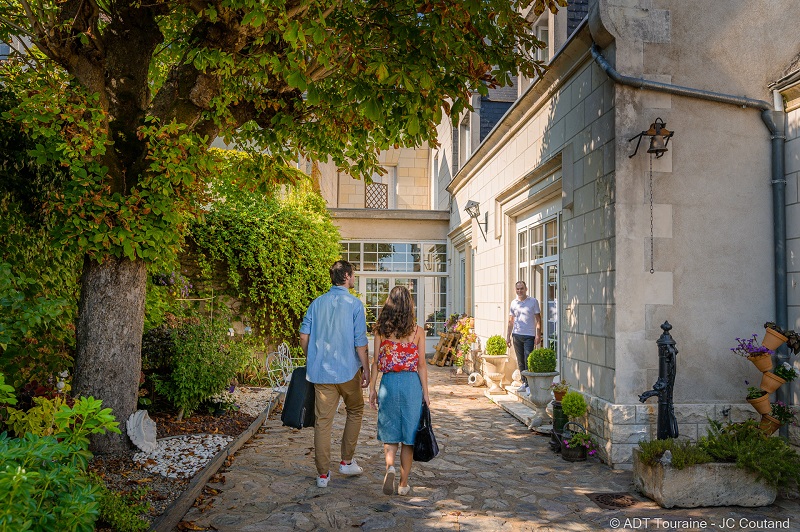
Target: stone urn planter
pixel 714 484
pixel 493 366
pixel 539 386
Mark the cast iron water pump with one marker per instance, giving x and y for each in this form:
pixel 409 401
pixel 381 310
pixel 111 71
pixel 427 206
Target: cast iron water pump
pixel 667 353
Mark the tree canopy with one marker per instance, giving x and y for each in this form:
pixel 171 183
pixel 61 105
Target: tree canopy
pixel 127 96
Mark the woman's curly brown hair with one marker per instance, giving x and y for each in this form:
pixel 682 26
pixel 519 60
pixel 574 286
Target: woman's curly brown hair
pixel 397 315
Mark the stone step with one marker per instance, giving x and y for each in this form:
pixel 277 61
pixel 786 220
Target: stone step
pixel 514 405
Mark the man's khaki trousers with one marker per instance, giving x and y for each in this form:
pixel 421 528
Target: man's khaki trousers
pixel 326 399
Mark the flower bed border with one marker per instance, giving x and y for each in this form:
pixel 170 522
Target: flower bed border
pixel 173 514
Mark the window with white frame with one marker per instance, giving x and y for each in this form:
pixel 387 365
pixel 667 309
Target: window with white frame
pixel 419 266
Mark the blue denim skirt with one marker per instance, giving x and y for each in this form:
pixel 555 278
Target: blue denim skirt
pixel 399 407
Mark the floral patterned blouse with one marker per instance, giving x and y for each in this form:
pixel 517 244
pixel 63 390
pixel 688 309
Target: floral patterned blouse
pixel 398 356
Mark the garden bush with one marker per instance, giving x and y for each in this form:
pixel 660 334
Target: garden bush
pixel 43 479
pixel 496 345
pixel 573 405
pixel 38 280
pixel 204 362
pixel 542 360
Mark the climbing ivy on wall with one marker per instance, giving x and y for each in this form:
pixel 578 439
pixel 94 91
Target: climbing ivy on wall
pixel 273 250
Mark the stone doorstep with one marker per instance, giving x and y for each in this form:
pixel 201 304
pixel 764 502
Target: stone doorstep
pixel 517 407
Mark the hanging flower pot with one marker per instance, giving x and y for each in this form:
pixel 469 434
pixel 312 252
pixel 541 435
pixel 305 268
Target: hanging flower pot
pixel 769 424
pixel 762 362
pixel 773 339
pixel 771 382
pixel 761 404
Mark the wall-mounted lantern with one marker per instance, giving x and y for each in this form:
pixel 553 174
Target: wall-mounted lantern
pixel 473 208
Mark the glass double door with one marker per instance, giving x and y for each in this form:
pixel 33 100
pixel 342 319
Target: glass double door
pixel 428 293
pixel 545 289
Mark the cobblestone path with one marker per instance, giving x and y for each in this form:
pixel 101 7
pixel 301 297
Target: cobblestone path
pixel 492 474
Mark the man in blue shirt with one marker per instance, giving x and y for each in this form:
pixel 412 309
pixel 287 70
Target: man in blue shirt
pixel 333 336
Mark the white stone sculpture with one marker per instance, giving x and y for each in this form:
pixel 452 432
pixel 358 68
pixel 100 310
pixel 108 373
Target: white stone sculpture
pixel 142 431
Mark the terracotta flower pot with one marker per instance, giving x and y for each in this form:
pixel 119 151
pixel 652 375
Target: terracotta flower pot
pixel 559 395
pixel 769 424
pixel 771 382
pixel 761 404
pixel 772 339
pixel 762 362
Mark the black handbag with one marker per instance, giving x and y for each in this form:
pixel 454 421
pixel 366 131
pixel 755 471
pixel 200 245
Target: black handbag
pixel 425 446
pixel 298 407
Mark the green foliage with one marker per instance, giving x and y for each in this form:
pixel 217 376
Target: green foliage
pixel 43 479
pixel 274 254
pixel 39 420
pixel 684 452
pixel 573 405
pixel 542 360
pixel 44 488
pixel 205 361
pixel 771 459
pixel 754 393
pixel 38 281
pixel 496 345
pixel 123 512
pixel 785 372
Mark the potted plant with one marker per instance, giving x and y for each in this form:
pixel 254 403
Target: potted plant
pixel 758 398
pixel 772 380
pixel 755 353
pixel 541 370
pixel 576 446
pixel 780 414
pixel 574 405
pixel 494 361
pixel 496 345
pixel 559 389
pixel 774 336
pixel 745 465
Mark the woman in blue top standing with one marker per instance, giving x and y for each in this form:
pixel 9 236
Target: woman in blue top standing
pixel 404 383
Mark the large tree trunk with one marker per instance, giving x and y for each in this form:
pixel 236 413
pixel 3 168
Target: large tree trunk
pixel 108 357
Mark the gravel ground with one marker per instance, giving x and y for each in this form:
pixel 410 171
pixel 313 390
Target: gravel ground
pixel 124 474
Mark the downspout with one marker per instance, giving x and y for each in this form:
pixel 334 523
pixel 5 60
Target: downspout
pixel 777 178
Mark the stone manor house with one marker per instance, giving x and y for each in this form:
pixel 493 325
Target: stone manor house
pixel 612 244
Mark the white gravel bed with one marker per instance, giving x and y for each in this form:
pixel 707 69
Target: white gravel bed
pixel 182 456
pixel 253 401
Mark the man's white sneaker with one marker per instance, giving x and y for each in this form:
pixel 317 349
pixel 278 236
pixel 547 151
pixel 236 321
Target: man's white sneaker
pixel 322 480
pixel 388 481
pixel 403 490
pixel 350 469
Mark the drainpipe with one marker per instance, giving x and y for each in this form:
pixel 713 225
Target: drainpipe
pixel 777 178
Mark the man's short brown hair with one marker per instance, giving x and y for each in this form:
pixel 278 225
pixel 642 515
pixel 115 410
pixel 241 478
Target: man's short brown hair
pixel 339 271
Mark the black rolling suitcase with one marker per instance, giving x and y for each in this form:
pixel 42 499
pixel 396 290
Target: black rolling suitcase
pixel 298 408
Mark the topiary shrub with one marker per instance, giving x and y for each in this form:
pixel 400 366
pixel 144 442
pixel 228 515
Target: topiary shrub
pixel 542 360
pixel 573 405
pixel 496 345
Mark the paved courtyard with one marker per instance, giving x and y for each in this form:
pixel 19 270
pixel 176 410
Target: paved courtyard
pixel 493 474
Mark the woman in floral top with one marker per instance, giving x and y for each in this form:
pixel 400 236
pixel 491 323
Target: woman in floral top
pixel 404 383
